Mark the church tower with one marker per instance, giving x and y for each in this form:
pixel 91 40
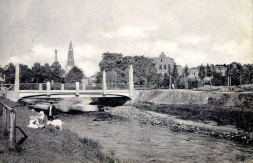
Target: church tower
pixel 70 62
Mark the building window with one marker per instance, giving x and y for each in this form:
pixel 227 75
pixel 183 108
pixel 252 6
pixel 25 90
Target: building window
pixel 164 67
pixel 161 60
pixel 160 67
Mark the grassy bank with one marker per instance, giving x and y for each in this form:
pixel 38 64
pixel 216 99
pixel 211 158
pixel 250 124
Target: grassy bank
pixel 48 144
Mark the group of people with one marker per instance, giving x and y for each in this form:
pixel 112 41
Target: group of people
pixel 38 120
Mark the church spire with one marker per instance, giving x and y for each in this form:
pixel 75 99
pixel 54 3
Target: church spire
pixel 70 62
pixel 70 45
pixel 55 55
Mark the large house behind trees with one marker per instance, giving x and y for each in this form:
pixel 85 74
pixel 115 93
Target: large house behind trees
pixel 194 72
pixel 164 64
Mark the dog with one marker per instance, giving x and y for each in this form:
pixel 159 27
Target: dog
pixel 57 123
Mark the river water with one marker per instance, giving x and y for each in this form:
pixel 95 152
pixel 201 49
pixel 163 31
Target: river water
pixel 129 140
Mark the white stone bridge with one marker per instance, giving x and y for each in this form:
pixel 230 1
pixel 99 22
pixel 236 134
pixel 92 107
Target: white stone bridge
pixel 17 94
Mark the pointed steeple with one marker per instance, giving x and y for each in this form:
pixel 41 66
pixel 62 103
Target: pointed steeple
pixel 70 62
pixel 70 45
pixel 55 55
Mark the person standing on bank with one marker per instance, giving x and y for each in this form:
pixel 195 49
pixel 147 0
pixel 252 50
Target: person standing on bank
pixel 51 112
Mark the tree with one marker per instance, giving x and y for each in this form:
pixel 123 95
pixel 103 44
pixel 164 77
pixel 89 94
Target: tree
pixel 175 75
pixel 218 79
pixel 9 72
pixel 75 75
pixel 248 73
pixel 240 72
pixel 228 74
pixel 110 61
pixel 234 73
pixel 46 73
pixel 166 80
pixel 117 69
pixel 25 74
pixel 186 74
pixel 209 72
pixel 144 71
pixel 37 73
pixel 202 74
pixel 57 72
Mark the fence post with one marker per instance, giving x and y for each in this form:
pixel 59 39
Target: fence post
pixel 131 81
pixel 48 88
pixel 12 130
pixel 77 88
pixel 5 133
pixel 62 86
pixel 83 86
pixel 104 82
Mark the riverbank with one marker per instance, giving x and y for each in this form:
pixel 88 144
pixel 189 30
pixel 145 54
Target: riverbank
pixel 147 115
pixel 48 144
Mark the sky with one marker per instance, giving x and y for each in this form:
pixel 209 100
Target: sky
pixel 193 32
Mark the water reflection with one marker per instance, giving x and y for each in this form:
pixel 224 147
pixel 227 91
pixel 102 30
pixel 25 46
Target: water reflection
pixel 76 104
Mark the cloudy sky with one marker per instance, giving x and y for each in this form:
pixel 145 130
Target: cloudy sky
pixel 193 32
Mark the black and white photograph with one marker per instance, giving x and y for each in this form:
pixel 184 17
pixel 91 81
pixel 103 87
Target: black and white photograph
pixel 126 81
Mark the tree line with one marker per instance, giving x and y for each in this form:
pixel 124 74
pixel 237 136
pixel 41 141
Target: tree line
pixel 235 74
pixel 145 74
pixel 41 73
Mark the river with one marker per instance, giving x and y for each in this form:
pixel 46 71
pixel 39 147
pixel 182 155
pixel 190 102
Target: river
pixel 131 141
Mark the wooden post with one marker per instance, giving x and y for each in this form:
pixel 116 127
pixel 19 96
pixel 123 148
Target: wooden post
pixel 104 82
pixel 12 130
pixel 62 86
pixel 48 88
pixel 5 133
pixel 77 88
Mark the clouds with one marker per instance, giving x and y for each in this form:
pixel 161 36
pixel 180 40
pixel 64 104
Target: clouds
pixel 192 32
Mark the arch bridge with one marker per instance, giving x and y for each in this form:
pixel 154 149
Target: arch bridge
pixel 17 94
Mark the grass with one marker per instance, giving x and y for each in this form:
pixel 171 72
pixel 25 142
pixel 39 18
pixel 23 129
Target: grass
pixel 48 144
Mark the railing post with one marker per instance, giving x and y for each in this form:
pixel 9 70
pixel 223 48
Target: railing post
pixel 62 86
pixel 5 133
pixel 16 87
pixel 77 88
pixel 16 84
pixel 131 81
pixel 48 88
pixel 12 130
pixel 104 82
pixel 40 87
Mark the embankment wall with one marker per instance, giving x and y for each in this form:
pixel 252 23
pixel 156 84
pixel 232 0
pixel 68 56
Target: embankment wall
pixel 194 97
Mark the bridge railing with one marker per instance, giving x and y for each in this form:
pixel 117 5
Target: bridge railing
pixel 117 86
pixel 32 86
pixel 9 122
pixel 6 87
